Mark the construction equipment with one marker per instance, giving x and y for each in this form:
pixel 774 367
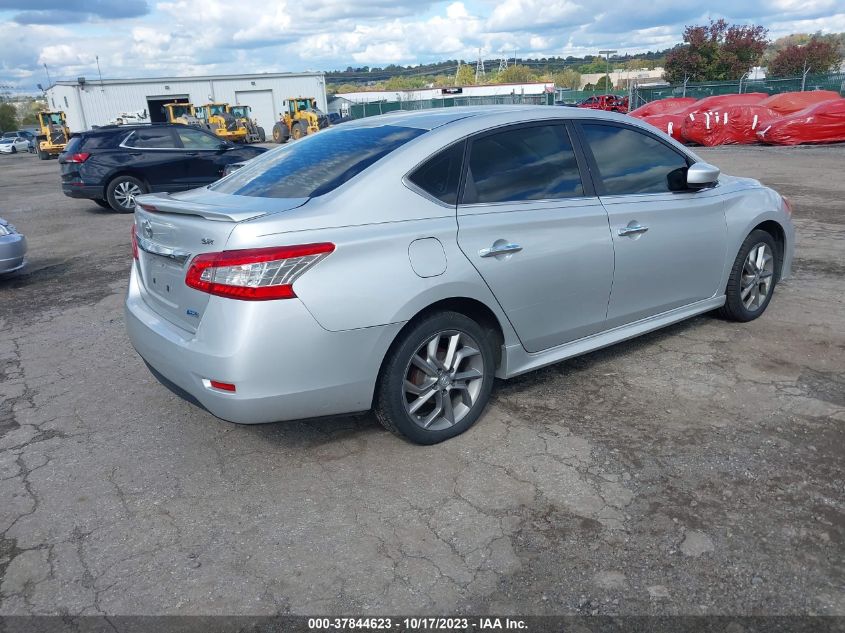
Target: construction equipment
pixel 183 113
pixel 129 118
pixel 53 134
pixel 220 121
pixel 254 132
pixel 302 118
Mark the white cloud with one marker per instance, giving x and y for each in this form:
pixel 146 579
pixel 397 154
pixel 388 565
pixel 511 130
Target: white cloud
pixel 209 36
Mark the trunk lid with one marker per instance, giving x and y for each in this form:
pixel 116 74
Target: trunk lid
pixel 171 231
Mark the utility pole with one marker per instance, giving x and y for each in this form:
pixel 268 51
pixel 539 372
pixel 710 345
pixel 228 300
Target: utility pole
pixel 457 72
pixel 479 69
pixel 804 75
pixel 607 66
pixel 503 62
pixel 99 72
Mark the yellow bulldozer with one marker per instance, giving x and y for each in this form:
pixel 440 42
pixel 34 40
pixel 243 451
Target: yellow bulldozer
pixel 222 122
pixel 254 132
pixel 53 134
pixel 302 118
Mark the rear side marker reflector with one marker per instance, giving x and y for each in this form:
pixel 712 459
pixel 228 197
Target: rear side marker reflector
pixel 255 274
pixel 222 386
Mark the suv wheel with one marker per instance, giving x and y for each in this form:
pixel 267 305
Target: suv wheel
pixel 122 191
pixel 436 380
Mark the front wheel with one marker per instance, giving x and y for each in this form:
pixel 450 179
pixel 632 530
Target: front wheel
pixel 262 137
pixel 436 380
pixel 280 133
pixel 753 278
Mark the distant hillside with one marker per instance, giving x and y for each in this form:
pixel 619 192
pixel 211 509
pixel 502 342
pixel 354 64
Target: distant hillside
pixel 367 75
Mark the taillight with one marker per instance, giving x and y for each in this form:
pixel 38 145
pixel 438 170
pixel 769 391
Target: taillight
pixel 255 274
pixel 79 157
pixel 134 243
pixel 787 205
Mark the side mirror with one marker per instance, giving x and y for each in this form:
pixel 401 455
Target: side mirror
pixel 702 175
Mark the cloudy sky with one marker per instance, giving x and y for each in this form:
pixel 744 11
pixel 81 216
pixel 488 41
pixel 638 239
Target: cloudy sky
pixel 142 38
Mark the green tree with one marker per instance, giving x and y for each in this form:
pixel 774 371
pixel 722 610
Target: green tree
pixel 466 75
pixel 716 52
pixel 604 84
pixel 816 56
pixel 8 117
pixel 516 74
pixel 568 78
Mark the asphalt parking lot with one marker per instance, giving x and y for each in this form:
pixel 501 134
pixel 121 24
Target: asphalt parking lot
pixel 696 470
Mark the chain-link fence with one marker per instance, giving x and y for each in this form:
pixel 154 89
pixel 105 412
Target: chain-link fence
pixel 360 110
pixel 640 94
pixel 833 81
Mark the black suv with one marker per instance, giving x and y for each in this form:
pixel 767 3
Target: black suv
pixel 114 163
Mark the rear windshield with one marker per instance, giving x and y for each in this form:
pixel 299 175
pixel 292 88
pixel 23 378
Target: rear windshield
pixel 318 165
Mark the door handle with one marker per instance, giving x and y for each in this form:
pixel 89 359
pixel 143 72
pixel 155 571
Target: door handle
pixel 632 229
pixel 501 249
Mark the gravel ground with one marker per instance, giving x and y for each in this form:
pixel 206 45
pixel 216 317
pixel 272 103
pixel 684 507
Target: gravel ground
pixel 696 470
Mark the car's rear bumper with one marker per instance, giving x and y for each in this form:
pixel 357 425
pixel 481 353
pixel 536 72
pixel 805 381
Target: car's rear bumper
pixel 90 192
pixel 284 365
pixel 12 252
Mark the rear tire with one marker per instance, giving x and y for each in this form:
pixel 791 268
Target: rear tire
pixel 262 138
pixel 121 193
pixel 14 150
pixel 753 278
pixel 42 154
pixel 436 379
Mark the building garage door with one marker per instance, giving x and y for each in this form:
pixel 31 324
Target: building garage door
pixel 263 110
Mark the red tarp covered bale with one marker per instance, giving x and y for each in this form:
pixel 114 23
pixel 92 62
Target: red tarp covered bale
pixel 671 122
pixel 662 106
pixel 668 123
pixel 821 123
pixel 731 125
pixel 789 102
pixel 723 101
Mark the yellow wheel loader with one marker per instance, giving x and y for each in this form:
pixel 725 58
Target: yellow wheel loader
pixel 183 113
pixel 302 118
pixel 52 136
pixel 220 121
pixel 254 132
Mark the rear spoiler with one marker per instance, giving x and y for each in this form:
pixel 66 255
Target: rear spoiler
pixel 165 203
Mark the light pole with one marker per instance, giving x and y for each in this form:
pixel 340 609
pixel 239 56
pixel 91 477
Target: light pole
pixel 607 66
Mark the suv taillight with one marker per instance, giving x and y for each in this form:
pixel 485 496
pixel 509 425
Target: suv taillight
pixel 255 274
pixel 134 243
pixel 78 157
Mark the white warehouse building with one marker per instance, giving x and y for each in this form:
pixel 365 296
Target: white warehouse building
pixel 87 103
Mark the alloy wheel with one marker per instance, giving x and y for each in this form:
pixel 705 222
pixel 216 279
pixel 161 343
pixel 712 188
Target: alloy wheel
pixel 443 380
pixel 125 193
pixel 757 276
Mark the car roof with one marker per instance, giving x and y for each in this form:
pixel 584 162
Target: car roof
pixel 437 117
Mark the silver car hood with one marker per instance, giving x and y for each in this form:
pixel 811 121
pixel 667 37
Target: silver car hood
pixel 212 205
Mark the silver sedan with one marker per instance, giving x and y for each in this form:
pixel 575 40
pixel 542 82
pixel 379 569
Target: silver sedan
pixel 401 262
pixel 12 248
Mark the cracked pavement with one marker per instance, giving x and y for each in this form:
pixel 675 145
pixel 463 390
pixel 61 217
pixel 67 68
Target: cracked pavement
pixel 695 470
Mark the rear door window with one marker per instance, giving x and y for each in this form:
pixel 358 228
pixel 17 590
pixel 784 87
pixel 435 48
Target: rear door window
pixel 633 162
pixel 317 165
pixel 523 163
pixel 153 138
pixel 194 139
pixel 439 175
